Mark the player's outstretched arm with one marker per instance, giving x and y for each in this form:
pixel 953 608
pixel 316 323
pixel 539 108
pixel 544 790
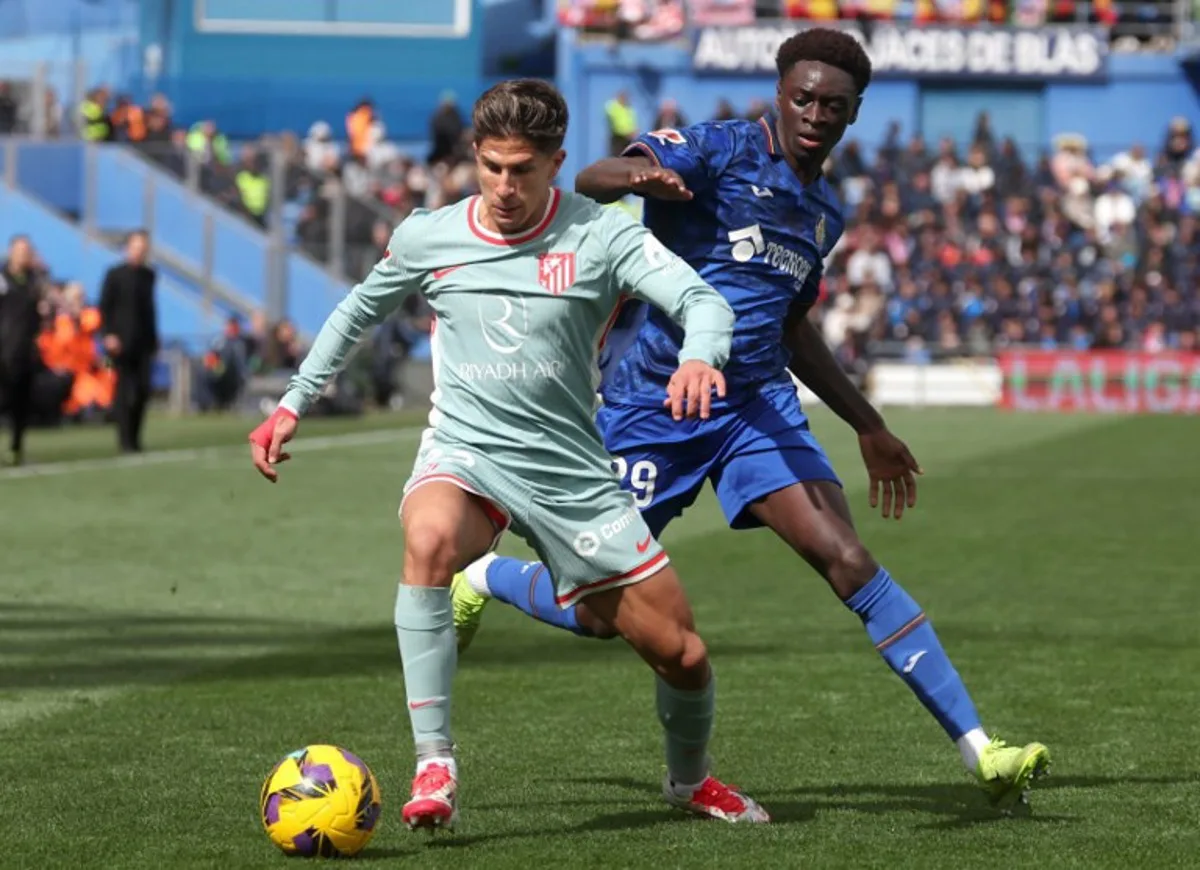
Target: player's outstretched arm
pixel 615 177
pixel 890 465
pixel 369 303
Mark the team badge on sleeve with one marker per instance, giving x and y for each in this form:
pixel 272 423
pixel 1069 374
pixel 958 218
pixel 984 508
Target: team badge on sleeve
pixel 667 136
pixel 819 235
pixel 556 272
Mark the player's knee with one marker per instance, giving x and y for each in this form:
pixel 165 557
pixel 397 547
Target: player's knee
pixel 695 655
pixel 681 659
pixel 430 546
pixel 850 567
pixel 688 668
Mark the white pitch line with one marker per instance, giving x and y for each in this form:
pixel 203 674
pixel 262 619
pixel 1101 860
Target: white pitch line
pixel 165 457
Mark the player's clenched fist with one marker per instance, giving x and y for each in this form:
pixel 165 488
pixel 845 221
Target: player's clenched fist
pixel 659 183
pixel 267 440
pixel 689 392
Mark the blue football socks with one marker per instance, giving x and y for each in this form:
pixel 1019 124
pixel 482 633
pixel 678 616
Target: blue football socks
pixel 903 636
pixel 528 587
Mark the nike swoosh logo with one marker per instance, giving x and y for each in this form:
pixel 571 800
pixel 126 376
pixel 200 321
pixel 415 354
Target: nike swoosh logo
pixel 417 705
pixel 439 274
pixel 643 546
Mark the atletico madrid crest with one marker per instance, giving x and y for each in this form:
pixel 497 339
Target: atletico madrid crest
pixel 556 272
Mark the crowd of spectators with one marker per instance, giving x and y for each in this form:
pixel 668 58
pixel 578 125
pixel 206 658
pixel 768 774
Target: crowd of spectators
pixel 355 171
pixel 72 374
pixel 949 253
pixel 1134 24
pixel 351 177
pixel 950 249
pixel 70 377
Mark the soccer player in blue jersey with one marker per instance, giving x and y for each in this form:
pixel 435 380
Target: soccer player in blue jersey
pixel 746 205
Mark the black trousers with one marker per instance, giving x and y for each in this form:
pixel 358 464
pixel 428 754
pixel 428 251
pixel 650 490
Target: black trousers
pixel 16 394
pixel 129 402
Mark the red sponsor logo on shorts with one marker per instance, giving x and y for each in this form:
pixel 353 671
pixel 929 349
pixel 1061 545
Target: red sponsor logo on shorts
pixel 643 546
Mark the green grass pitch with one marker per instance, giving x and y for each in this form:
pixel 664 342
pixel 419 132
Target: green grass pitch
pixel 169 630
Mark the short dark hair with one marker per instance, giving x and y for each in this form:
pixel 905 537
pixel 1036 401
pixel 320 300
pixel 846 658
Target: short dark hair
pixel 825 45
pixel 526 108
pixel 140 231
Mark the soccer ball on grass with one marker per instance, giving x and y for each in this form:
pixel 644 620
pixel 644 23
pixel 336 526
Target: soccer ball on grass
pixel 320 801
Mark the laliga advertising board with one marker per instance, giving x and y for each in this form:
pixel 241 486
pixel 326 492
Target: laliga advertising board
pixel 1116 382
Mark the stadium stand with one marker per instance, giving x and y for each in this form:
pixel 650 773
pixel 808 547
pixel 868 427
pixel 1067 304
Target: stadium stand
pixel 1134 26
pixel 949 251
pixel 946 253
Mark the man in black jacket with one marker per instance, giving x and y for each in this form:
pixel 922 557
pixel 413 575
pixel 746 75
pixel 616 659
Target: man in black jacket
pixel 20 292
pixel 130 326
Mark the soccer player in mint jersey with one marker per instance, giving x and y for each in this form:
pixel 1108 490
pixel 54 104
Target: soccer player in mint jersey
pixel 525 281
pixel 745 204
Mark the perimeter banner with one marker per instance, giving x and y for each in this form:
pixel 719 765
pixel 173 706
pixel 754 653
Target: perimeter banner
pixel 1117 382
pixel 979 52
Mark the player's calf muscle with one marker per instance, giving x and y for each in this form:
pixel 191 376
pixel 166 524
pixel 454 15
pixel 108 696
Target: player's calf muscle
pixel 814 520
pixel 655 619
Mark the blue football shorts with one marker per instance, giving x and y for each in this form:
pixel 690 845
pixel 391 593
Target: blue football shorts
pixel 748 452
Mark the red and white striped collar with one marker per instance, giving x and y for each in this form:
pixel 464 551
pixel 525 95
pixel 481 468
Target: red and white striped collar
pixel 492 238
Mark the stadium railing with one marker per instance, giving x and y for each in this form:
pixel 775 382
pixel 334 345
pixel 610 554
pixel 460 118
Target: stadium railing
pixel 342 244
pixel 72 254
pixel 221 257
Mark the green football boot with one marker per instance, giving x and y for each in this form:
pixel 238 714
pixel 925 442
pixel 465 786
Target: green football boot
pixel 1006 773
pixel 468 610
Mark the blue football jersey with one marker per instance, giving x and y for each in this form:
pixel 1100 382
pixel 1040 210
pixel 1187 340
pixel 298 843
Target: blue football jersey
pixel 752 230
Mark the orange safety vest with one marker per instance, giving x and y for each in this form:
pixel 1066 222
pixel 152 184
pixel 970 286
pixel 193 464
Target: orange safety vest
pixel 358 130
pixel 133 119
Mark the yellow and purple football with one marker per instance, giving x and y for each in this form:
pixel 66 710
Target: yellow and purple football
pixel 320 801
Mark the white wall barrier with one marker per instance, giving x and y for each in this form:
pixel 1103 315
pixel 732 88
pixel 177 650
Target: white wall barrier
pixel 965 383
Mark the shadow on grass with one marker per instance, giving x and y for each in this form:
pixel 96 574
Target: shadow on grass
pixel 963 805
pixel 71 648
pixel 958 804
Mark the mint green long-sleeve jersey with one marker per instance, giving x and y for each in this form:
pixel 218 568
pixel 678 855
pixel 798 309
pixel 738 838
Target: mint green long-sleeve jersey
pixel 520 321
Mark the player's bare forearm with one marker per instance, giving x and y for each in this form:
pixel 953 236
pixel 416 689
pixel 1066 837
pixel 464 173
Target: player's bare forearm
pixel 814 364
pixel 610 179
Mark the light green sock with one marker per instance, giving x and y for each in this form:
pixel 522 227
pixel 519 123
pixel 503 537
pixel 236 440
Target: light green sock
pixel 425 631
pixel 687 719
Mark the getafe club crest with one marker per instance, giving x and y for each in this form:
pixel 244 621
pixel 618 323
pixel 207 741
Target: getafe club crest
pixel 819 235
pixel 556 272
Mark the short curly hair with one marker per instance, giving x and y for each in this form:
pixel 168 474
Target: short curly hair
pixel 825 45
